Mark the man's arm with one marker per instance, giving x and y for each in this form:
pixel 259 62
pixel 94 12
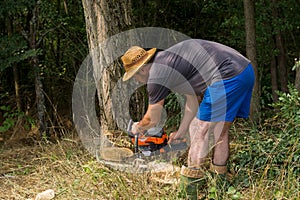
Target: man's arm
pixel 191 109
pixel 152 116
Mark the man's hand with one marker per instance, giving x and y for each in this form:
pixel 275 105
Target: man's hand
pixel 191 108
pixel 135 128
pixel 150 119
pixel 176 137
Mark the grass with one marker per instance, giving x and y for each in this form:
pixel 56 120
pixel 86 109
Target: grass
pixel 72 173
pixel 67 168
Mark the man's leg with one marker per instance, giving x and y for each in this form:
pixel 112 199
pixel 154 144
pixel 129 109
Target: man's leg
pixel 199 138
pixel 193 176
pixel 199 135
pixel 221 152
pixel 221 149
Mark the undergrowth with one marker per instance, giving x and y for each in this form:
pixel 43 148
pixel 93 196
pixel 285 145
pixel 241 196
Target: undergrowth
pixel 267 160
pixel 264 163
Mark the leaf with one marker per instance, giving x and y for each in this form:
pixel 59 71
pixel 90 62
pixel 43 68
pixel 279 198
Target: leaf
pixel 297 64
pixel 5 108
pixel 212 189
pixel 231 190
pixel 237 196
pixel 14 49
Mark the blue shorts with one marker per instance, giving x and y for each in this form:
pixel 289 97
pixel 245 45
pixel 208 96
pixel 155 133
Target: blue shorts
pixel 225 100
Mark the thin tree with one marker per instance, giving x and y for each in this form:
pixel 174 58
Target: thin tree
pixel 34 42
pixel 280 47
pixel 249 12
pixel 297 76
pixel 10 30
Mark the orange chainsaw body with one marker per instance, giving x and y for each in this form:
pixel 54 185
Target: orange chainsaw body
pixel 145 140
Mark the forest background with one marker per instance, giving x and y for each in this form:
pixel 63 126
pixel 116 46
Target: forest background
pixel 43 44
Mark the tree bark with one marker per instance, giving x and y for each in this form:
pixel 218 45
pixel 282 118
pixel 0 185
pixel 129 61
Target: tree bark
pixel 17 87
pixel 40 97
pixel 281 58
pixel 251 54
pixel 15 69
pixel 297 77
pixel 282 63
pixel 273 68
pixel 104 19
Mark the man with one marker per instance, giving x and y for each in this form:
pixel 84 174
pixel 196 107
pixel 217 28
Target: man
pixel 195 68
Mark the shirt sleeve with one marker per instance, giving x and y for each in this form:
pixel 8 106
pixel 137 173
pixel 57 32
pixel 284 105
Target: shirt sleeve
pixel 157 92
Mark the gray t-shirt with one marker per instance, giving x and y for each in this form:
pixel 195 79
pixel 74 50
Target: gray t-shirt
pixel 190 66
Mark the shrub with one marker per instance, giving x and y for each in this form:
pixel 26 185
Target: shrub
pixel 273 150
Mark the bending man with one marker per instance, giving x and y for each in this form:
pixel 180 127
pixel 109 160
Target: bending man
pixel 195 68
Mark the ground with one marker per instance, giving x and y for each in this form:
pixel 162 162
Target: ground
pixel 29 167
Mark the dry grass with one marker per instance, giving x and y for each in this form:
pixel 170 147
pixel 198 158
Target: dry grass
pixel 27 168
pixel 72 173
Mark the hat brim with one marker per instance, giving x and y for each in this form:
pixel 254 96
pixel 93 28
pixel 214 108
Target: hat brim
pixel 129 74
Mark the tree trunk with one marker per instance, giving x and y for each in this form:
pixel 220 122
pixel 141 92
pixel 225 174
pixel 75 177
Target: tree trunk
pixel 273 69
pixel 15 69
pixel 281 58
pixel 17 87
pixel 58 36
pixel 297 77
pixel 282 63
pixel 105 19
pixel 251 54
pixel 40 98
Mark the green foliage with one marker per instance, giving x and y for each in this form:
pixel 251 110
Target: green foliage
pixel 276 147
pixel 58 31
pixel 173 108
pixel 231 193
pixel 287 23
pixel 14 49
pixel 12 7
pixel 297 64
pixel 9 121
pixel 289 107
pixel 212 20
pixel 11 116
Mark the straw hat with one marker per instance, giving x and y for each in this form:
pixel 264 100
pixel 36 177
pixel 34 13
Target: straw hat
pixel 134 58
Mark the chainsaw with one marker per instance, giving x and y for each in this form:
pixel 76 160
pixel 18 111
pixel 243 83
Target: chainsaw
pixel 153 141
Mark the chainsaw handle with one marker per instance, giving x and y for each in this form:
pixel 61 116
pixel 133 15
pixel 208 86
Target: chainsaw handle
pixel 130 123
pixel 129 128
pixel 136 143
pixel 178 140
pixel 174 137
pixel 136 136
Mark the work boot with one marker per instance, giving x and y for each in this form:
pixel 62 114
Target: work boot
pixel 219 177
pixel 191 180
